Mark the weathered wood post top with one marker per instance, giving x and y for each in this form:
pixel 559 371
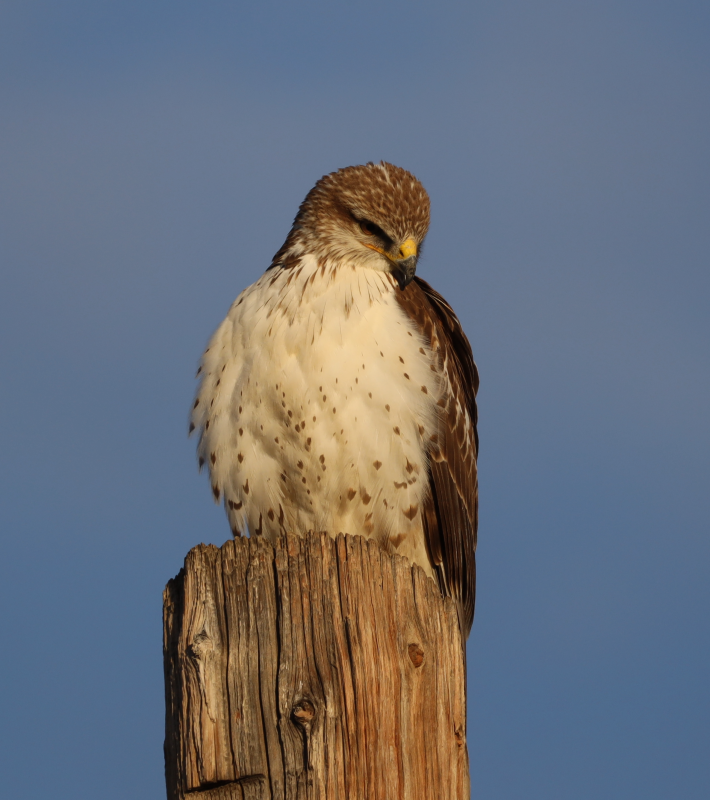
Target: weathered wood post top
pixel 316 668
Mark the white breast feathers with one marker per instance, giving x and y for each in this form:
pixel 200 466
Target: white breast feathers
pixel 317 393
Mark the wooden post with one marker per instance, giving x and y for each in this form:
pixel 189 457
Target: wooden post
pixel 318 668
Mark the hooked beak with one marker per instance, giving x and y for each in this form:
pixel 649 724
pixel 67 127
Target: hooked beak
pixel 406 265
pixel 404 269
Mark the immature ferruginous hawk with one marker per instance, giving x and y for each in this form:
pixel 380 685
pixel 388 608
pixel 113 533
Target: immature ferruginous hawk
pixel 339 392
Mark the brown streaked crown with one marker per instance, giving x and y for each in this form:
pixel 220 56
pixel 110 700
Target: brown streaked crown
pixel 383 194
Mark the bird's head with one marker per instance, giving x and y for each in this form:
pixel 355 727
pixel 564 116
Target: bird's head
pixel 374 216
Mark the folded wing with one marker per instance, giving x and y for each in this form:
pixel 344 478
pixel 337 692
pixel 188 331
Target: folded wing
pixel 450 513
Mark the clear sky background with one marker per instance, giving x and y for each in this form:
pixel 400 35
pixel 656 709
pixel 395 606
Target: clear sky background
pixel 153 154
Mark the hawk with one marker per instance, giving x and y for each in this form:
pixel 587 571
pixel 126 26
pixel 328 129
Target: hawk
pixel 339 393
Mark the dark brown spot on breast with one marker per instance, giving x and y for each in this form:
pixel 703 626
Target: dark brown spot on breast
pixel 422 351
pixel 240 457
pixel 215 492
pixel 192 427
pixel 207 425
pixel 213 458
pixel 271 514
pixel 364 496
pixel 425 390
pixel 201 463
pixel 411 512
pixel 237 506
pixel 197 403
pixel 406 376
pixel 396 430
pixel 351 493
pixel 283 477
pixel 387 407
pixel 397 540
pixel 376 464
pixel 369 394
pixel 322 458
pixel 241 431
pixel 402 485
pixel 401 359
pixel 246 487
pixel 300 464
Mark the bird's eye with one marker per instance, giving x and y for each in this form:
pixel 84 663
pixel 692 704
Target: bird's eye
pixel 369 228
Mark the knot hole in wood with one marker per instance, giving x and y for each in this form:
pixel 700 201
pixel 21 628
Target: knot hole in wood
pixel 303 712
pixel 416 654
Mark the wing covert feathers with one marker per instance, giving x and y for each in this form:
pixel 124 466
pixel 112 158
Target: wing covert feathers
pixel 450 510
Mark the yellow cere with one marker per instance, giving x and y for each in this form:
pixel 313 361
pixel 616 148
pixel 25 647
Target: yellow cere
pixel 408 248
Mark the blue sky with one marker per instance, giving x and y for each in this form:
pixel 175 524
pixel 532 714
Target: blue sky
pixel 152 157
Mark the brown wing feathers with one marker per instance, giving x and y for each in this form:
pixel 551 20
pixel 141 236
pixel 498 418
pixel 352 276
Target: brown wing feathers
pixel 450 513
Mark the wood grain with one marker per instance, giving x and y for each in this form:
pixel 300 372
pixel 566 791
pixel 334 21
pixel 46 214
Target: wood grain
pixel 319 668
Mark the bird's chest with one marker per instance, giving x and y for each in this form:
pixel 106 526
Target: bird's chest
pixel 332 408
